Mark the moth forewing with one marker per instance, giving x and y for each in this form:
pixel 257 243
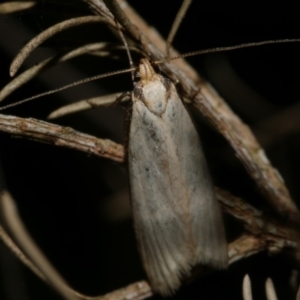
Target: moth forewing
pixel 177 219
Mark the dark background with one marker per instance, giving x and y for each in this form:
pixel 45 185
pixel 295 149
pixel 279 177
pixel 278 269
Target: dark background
pixel 76 206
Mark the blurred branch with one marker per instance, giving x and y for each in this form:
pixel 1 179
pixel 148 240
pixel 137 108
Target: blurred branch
pixel 18 230
pixel 268 131
pixel 15 6
pixel 9 243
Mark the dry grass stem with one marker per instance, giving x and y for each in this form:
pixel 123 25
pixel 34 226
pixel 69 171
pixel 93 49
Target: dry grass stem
pixel 85 105
pixel 47 63
pixel 15 6
pixel 20 233
pixel 39 39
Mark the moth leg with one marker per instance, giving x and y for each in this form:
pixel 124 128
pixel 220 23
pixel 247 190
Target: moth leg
pixel 119 99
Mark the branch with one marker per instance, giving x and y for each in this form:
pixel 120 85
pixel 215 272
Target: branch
pixel 61 136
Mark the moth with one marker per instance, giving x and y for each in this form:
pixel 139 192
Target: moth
pixel 177 219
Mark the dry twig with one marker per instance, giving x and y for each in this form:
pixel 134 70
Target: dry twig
pixel 60 136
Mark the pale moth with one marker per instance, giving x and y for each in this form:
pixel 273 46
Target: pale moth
pixel 177 219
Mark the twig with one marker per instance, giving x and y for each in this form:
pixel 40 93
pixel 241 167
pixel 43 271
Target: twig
pixel 60 136
pixel 122 18
pixel 254 220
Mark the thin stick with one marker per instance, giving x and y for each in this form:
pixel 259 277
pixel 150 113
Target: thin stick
pixel 61 136
pixel 179 17
pixel 118 13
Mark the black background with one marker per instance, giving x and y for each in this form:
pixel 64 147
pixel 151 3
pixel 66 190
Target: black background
pixel 64 196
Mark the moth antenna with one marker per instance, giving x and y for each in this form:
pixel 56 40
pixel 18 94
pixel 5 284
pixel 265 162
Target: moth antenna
pixel 178 20
pixel 127 49
pixel 206 51
pixel 82 81
pixel 228 48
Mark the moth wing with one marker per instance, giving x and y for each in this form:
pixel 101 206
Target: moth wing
pixel 206 217
pixel 153 168
pixel 176 216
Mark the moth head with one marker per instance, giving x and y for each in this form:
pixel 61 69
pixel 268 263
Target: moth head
pixel 145 70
